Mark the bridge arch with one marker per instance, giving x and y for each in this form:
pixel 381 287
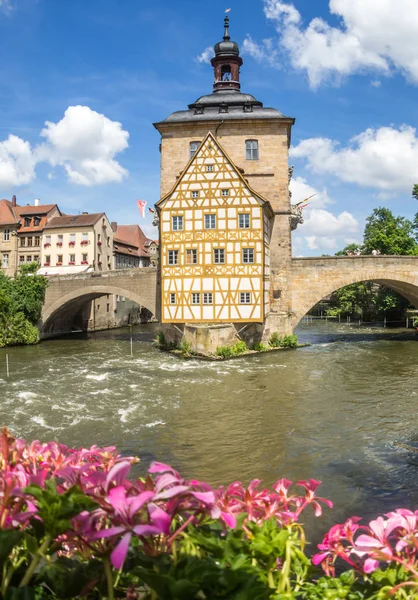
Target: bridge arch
pixel 65 308
pixel 319 278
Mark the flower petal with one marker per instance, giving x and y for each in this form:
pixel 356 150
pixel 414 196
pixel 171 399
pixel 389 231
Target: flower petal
pixel 160 518
pixel 105 533
pixel 177 489
pixel 117 474
pixel 147 530
pixel 119 553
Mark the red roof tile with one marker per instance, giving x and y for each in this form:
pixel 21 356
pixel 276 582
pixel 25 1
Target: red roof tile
pixel 74 221
pixel 133 234
pixel 7 215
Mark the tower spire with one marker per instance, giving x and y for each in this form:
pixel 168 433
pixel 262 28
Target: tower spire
pixel 226 62
pixel 226 25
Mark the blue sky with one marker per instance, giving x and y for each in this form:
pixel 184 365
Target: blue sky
pixel 82 83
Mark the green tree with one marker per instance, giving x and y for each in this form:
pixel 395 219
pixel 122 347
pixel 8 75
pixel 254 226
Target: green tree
pixel 389 234
pixel 21 302
pixel 415 191
pixel 349 248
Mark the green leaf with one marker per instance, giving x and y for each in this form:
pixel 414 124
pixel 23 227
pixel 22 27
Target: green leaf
pixel 24 593
pixel 9 538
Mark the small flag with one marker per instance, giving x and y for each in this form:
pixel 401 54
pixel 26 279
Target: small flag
pixel 151 210
pixel 141 207
pixel 228 10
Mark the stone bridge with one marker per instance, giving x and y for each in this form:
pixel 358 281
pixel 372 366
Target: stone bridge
pixel 311 279
pixel 315 278
pixel 67 295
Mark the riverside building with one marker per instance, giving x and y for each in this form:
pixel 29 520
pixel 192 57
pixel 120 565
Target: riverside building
pixel 224 213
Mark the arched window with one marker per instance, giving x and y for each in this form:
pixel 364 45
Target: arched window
pixel 193 148
pixel 226 72
pixel 251 149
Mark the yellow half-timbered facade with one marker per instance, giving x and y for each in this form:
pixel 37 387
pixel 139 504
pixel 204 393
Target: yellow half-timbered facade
pixel 215 243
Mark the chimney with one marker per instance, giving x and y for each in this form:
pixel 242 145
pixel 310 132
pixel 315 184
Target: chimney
pixel 84 213
pixel 114 226
pixel 13 200
pixel 36 202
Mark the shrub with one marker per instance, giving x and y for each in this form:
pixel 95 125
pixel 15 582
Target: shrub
pixel 289 341
pixel 274 341
pixel 240 348
pixel 260 347
pixel 185 346
pixel 225 351
pixel 161 341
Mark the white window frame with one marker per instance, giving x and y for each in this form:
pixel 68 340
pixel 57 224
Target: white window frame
pixel 177 222
pixel 173 257
pixel 210 221
pixel 248 253
pixel 6 235
pixel 72 258
pixel 251 150
pixel 5 260
pixel 245 298
pixel 196 298
pixel 244 221
pixel 207 298
pixel 217 254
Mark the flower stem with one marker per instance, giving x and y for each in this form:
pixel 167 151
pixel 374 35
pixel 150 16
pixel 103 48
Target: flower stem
pixel 109 579
pixel 35 561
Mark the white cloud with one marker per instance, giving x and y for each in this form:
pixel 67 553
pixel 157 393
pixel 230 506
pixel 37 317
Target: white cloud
pixel 322 230
pixel 374 35
pixel 6 6
pixel 384 158
pixel 376 83
pixel 85 143
pixel 265 52
pixel 301 190
pixel 17 165
pixel 206 55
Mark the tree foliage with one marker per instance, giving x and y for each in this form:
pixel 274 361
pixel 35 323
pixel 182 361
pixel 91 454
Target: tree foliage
pixel 21 301
pixel 389 234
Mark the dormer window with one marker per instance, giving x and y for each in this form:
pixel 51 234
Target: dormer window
pixel 36 221
pixel 199 110
pixel 27 221
pixel 193 148
pixel 223 108
pixel 251 149
pixel 248 107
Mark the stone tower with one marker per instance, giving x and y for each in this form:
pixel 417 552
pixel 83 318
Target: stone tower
pixel 257 140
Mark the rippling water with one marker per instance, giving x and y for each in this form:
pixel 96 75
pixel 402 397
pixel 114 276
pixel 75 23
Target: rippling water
pixel 338 410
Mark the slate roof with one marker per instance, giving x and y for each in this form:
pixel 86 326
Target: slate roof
pixel 74 221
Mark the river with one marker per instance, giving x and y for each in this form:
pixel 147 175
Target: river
pixel 339 410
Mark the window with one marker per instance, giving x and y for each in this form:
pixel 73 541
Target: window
pixel 195 194
pixel 209 168
pixel 108 307
pixel 47 258
pixel 172 298
pixel 248 255
pixel 244 221
pixel 47 239
pixel 251 150
pixel 245 298
pixel 27 221
pixel 6 235
pixel 195 298
pixel 85 257
pixel 5 262
pixel 173 257
pixel 36 221
pixel 193 148
pixel 60 238
pixel 36 258
pixel 210 221
pixel 21 259
pixel 37 240
pixel 225 192
pixel 219 256
pixel 85 237
pixel 59 258
pixel 72 257
pixel 208 298
pixel 191 257
pixel 177 223
pixel 72 239
pixel 28 258
pixel 29 241
pixel 22 242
